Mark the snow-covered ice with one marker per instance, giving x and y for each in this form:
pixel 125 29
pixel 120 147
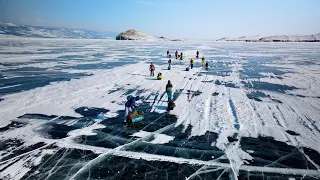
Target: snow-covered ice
pixel 254 114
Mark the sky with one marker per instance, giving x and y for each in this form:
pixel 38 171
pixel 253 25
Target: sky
pixel 201 19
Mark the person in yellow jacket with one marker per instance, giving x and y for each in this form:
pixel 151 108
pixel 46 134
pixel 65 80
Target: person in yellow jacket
pixel 191 63
pixel 203 60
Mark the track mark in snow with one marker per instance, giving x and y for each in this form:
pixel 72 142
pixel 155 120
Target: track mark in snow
pixel 233 109
pixel 302 119
pixel 161 97
pixel 207 111
pixel 313 123
pixel 154 101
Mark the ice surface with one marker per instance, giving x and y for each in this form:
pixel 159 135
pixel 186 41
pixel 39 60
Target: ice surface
pixel 254 114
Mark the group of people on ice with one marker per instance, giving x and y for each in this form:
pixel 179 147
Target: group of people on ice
pixel 202 62
pixel 177 55
pixel 131 114
pixel 180 56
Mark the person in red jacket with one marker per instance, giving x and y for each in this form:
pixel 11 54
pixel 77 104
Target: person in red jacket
pixel 152 68
pixel 176 54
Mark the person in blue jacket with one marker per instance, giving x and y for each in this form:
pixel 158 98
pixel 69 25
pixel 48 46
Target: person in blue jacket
pixel 130 105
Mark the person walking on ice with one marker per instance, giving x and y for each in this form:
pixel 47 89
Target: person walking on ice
pixel 176 54
pixel 197 54
pixel 169 66
pixel 191 63
pixel 168 53
pixel 169 90
pixel 152 68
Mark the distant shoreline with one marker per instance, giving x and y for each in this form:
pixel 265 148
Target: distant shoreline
pixel 6 36
pixel 279 38
pixel 280 41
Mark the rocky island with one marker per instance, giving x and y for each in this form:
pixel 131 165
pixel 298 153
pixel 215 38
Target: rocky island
pixel 133 34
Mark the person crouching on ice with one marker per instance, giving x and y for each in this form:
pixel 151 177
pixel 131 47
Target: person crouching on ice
pixel 169 90
pixel 203 60
pixel 159 77
pixel 130 106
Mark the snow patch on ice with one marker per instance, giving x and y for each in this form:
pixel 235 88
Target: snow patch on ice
pixel 157 138
pixel 161 139
pixel 86 131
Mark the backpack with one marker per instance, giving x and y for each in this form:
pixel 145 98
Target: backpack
pixel 129 97
pixel 171 105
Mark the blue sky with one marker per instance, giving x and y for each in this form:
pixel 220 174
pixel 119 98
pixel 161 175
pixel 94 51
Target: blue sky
pixel 171 18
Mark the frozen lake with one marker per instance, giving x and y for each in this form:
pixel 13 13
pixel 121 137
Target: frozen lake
pixel 254 114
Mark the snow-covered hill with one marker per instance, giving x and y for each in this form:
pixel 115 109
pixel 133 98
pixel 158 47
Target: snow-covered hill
pixel 281 38
pixel 294 38
pixel 49 32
